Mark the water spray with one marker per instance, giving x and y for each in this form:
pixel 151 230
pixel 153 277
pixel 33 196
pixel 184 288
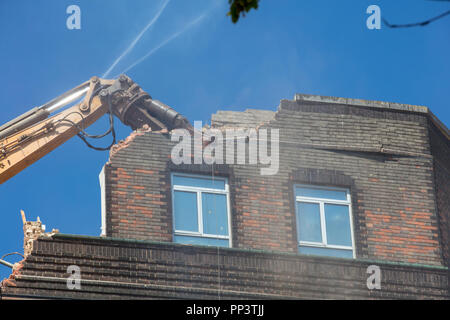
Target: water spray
pixel 136 40
pixel 162 44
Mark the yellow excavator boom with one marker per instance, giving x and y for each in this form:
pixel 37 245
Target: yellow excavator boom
pixel 34 134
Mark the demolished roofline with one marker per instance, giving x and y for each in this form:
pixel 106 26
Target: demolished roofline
pixel 305 98
pixel 360 103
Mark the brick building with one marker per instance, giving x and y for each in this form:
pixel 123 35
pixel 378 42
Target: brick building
pixel 358 183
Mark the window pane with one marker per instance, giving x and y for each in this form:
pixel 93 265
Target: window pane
pixel 308 222
pixel 215 219
pixel 199 182
pixel 326 252
pixel 337 221
pixel 186 213
pixel 201 241
pixel 321 193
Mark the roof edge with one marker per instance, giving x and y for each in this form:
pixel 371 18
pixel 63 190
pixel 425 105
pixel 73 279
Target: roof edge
pixel 300 97
pixel 104 239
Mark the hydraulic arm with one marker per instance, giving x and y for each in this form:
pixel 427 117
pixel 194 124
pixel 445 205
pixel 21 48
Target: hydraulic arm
pixel 32 135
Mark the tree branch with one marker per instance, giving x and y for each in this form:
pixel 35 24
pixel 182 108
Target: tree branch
pixel 417 24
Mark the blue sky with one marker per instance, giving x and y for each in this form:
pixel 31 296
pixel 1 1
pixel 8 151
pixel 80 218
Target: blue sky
pixel 285 47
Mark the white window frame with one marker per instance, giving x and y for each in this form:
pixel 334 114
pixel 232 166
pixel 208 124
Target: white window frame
pixel 199 191
pixel 101 178
pixel 322 202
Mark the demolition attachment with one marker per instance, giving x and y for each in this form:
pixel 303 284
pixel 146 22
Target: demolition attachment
pixel 138 108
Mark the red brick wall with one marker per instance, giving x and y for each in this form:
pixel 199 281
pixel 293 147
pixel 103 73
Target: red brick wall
pixel 137 190
pixel 441 152
pixel 393 192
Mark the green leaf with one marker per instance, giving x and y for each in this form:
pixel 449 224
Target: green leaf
pixel 238 7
